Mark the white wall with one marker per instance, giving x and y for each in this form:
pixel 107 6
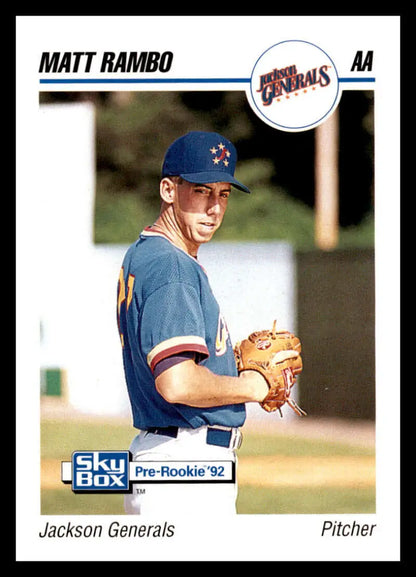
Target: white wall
pixel 254 282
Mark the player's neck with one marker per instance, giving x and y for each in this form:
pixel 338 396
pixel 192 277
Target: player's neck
pixel 165 226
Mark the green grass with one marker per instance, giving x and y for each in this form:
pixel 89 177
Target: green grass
pixel 65 502
pixel 316 500
pixel 60 438
pixel 251 500
pixel 302 500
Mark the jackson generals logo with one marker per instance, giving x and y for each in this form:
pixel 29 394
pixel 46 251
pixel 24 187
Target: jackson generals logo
pixel 294 86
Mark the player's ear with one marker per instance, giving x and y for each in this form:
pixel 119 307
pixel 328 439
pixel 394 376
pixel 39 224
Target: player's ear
pixel 167 190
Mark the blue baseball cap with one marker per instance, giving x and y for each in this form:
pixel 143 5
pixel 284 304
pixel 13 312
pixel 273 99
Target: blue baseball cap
pixel 202 157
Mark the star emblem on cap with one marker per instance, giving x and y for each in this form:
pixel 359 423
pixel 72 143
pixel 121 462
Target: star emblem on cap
pixel 224 154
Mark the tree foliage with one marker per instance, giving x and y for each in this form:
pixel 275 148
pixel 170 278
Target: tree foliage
pixel 133 130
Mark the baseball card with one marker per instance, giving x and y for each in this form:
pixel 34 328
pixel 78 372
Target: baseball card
pixel 207 288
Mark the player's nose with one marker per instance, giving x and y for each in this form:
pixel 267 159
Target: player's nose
pixel 214 205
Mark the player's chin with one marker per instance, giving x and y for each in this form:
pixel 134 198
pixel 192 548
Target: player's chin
pixel 206 231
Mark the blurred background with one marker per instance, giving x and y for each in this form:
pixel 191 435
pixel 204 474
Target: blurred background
pixel 133 130
pixel 267 261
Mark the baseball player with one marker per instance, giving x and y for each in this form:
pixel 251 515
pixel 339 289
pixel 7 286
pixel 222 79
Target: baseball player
pixel 187 397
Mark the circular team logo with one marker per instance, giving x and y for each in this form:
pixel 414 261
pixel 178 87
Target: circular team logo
pixel 294 86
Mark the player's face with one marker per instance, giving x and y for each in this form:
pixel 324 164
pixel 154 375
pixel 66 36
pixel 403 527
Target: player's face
pixel 200 208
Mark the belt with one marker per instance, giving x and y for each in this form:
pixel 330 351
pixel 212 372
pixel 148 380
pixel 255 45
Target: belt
pixel 230 438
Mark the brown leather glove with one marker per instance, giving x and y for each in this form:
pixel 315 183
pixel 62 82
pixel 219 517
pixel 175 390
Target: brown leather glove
pixel 276 355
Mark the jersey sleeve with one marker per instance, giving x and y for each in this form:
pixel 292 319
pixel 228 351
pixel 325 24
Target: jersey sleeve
pixel 171 361
pixel 173 323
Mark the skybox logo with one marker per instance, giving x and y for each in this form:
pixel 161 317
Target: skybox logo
pixel 100 471
pixel 115 472
pixel 294 86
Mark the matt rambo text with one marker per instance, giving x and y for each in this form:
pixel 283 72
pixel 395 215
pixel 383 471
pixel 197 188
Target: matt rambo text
pixel 115 529
pixel 72 62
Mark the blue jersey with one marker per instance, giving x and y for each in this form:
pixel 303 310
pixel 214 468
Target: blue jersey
pixel 165 308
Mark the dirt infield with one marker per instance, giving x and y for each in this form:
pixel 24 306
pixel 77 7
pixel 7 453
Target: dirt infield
pixel 354 432
pixel 351 431
pixel 280 471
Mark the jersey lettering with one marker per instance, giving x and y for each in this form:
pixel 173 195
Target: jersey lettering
pixel 123 297
pixel 221 339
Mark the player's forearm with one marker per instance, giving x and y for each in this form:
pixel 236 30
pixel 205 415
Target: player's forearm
pixel 195 385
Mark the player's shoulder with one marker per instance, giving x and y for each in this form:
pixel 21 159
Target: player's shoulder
pixel 162 260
